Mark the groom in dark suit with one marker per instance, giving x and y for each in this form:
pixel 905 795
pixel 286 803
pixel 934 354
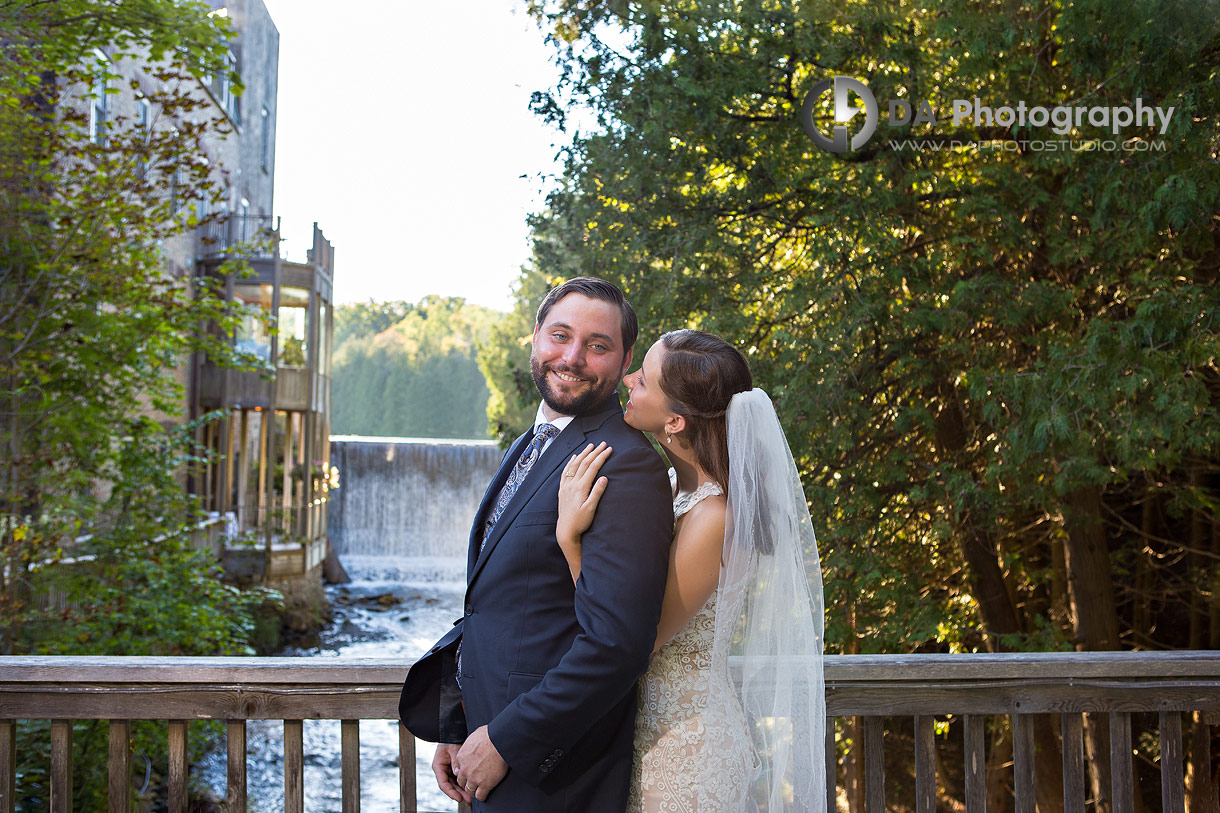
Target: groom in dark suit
pixel 532 694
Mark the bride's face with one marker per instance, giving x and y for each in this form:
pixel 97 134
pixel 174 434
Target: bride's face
pixel 647 406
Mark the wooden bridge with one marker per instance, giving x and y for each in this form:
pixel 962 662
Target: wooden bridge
pixel 876 689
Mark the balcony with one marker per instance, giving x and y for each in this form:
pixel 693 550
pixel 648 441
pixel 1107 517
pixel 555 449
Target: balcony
pixel 879 689
pixel 255 236
pixel 275 427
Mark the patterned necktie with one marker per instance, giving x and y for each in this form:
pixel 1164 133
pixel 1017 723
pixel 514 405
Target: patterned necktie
pixel 517 476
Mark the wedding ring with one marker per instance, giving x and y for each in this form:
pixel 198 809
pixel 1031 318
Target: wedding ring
pixel 569 474
pixel 470 788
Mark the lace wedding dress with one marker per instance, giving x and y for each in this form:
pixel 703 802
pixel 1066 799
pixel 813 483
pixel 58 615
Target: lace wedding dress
pixel 692 750
pixel 702 743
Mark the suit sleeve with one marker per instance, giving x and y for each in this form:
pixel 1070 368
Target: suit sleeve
pixel 625 560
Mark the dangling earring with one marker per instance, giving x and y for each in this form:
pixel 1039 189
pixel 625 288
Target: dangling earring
pixel 668 437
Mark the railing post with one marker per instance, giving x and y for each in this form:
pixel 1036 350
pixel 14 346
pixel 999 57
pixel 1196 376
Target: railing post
pixel 120 766
pixel 832 762
pixel 853 762
pixel 1122 785
pixel 925 765
pixel 294 766
pixel 1023 762
pixel 976 764
pixel 177 766
pixel 235 798
pixel 1173 782
pixel 408 794
pixel 874 766
pixel 349 736
pixel 61 766
pixel 8 766
pixel 1072 726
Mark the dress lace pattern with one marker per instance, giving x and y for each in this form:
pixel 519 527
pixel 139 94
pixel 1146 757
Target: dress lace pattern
pixel 692 750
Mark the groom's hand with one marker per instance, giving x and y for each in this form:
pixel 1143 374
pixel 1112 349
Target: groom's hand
pixel 479 765
pixel 444 767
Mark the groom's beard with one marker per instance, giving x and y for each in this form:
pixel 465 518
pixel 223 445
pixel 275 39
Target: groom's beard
pixel 563 403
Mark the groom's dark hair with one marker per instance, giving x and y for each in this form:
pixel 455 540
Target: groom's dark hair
pixel 595 288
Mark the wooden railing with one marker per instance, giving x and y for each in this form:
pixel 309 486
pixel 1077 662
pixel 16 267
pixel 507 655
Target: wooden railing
pixel 871 687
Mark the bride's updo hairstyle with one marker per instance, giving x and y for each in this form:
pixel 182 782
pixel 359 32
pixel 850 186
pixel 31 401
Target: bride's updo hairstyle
pixel 700 374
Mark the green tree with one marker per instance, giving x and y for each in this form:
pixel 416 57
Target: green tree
pixel 92 327
pixel 995 365
pixel 93 331
pixel 367 319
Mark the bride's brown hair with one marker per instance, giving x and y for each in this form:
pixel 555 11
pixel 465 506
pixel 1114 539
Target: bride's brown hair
pixel 700 374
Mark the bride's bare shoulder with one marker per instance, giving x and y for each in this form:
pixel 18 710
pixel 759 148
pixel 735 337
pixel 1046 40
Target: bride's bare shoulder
pixel 704 521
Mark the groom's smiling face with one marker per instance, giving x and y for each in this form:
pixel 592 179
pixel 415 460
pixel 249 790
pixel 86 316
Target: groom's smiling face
pixel 578 356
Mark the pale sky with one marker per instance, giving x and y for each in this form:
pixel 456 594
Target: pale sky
pixel 404 130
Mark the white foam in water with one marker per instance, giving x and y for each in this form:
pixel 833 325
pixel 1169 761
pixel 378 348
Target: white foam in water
pixel 410 571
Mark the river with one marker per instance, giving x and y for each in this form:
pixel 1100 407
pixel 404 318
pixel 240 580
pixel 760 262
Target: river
pixel 394 607
pixel 400 522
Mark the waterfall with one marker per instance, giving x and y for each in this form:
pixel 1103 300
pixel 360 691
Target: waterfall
pixel 401 497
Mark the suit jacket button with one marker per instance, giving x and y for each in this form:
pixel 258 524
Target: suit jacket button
pixel 469 609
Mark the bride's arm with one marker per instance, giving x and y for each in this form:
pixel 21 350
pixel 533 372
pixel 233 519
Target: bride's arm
pixel 694 567
pixel 580 489
pixel 694 557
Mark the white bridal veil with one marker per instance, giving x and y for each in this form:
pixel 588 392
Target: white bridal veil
pixel 770 611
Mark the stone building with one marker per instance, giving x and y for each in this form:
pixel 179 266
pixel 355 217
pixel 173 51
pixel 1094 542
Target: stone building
pixel 267 482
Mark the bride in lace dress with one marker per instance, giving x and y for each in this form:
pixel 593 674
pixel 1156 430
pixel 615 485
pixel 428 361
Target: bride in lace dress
pixel 743 580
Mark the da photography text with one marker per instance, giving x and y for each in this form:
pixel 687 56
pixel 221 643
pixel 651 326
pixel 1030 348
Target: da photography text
pixel 1061 119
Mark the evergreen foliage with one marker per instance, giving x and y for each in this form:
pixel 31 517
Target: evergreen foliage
pixel 404 370
pixel 996 368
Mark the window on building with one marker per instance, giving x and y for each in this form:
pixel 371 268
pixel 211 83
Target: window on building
pixel 221 86
pixel 265 160
pixel 232 100
pixel 252 333
pixel 323 338
pixel 144 122
pixel 292 321
pixel 99 106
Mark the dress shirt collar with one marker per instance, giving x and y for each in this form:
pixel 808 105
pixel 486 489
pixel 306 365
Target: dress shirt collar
pixel 560 423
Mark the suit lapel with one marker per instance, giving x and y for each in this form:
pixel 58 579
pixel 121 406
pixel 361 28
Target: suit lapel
pixel 561 448
pixel 558 453
pixel 489 499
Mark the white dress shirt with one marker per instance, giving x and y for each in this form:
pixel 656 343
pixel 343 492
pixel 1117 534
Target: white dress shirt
pixel 560 423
